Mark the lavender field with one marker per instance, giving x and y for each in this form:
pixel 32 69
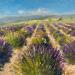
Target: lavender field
pixel 41 47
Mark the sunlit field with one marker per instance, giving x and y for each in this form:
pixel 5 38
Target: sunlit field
pixel 38 47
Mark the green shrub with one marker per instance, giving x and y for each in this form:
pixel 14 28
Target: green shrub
pixel 37 40
pixel 39 60
pixel 24 33
pixel 15 39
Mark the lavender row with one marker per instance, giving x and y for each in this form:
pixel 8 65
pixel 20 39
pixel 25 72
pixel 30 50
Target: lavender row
pixel 41 59
pixel 5 52
pixel 67 45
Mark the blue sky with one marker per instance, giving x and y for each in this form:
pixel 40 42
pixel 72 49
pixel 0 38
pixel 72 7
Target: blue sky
pixel 36 7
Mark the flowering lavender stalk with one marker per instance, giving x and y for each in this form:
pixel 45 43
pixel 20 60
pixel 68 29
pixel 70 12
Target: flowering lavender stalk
pixel 34 26
pixel 5 51
pixel 69 51
pixel 41 59
pixel 29 30
pixel 2 33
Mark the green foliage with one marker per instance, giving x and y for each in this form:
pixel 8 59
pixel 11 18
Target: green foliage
pixel 24 33
pixel 60 38
pixel 60 19
pixel 50 20
pixel 39 65
pixel 15 39
pixel 37 40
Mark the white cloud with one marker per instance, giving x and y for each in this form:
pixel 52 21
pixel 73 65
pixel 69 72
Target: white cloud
pixel 39 11
pixel 69 12
pixel 20 12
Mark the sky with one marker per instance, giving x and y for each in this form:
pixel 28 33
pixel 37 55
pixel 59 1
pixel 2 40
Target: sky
pixel 36 7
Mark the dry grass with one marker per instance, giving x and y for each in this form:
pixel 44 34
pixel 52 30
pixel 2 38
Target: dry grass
pixel 69 69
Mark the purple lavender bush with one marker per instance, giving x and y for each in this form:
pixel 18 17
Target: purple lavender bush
pixel 5 52
pixel 69 51
pixel 41 59
pixel 2 33
pixel 28 30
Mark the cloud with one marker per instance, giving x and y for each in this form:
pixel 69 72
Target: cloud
pixel 39 11
pixel 34 12
pixel 20 11
pixel 67 12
